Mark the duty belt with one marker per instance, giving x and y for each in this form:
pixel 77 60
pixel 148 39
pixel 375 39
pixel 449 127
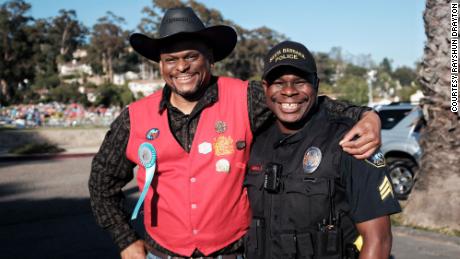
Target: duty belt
pixel 165 256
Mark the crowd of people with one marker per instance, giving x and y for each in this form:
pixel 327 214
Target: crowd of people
pixel 56 114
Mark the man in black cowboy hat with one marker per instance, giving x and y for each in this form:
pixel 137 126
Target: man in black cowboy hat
pixel 309 198
pixel 195 137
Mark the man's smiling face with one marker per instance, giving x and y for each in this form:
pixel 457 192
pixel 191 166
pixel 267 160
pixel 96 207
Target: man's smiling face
pixel 186 67
pixel 290 95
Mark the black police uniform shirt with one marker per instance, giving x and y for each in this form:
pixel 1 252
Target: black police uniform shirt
pixel 362 187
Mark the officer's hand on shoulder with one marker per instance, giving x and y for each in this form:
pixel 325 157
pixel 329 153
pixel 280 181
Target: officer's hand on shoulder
pixel 364 138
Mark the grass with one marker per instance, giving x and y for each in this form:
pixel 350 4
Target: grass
pixel 36 148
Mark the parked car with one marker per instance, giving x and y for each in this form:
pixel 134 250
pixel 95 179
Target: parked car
pixel 401 124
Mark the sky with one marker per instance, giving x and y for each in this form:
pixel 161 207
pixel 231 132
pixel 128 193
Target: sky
pixel 381 28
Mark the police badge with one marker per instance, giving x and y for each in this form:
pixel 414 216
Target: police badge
pixel 377 159
pixel 311 159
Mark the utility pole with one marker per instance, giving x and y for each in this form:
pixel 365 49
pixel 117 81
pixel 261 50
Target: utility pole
pixel 370 80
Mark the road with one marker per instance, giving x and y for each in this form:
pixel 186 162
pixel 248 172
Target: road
pixel 45 213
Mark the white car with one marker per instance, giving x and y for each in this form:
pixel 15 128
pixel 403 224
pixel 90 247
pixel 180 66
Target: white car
pixel 401 124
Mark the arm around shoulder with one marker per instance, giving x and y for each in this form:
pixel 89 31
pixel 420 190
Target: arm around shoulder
pixel 363 139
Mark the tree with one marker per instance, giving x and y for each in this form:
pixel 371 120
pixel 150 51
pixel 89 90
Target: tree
pixel 109 94
pixel 15 51
pixel 67 93
pixel 109 45
pixel 67 33
pixel 44 56
pixel 405 75
pixel 356 71
pixel 384 85
pixel 435 199
pixel 325 67
pixel 385 66
pixel 353 89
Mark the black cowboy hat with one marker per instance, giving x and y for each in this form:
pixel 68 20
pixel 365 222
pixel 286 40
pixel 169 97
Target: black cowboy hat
pixel 183 22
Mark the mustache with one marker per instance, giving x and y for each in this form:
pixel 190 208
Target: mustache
pixel 273 99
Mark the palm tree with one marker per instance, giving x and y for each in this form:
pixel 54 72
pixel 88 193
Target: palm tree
pixel 435 202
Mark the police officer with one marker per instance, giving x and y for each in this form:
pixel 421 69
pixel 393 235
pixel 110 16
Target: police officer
pixel 309 198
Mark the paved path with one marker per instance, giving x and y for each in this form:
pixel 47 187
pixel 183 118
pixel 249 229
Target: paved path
pixel 45 213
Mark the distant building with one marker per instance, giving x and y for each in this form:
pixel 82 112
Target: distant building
pixel 146 87
pixel 415 98
pixel 74 68
pixel 79 53
pixel 120 79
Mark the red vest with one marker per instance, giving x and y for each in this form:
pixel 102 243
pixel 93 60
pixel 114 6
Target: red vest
pixel 197 199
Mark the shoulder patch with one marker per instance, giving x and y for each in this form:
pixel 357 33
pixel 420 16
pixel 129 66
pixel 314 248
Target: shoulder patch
pixel 376 160
pixel 385 188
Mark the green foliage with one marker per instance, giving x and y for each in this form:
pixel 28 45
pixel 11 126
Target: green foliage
pixel 107 51
pixel 15 50
pixel 406 91
pixel 109 94
pixel 385 66
pixel 326 89
pixel 67 93
pixel 326 67
pixel 353 89
pixel 354 70
pixel 405 75
pixel 384 85
pixel 66 33
pixel 46 80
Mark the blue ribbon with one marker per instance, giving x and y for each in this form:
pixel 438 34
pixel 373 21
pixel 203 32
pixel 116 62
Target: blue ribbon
pixel 147 156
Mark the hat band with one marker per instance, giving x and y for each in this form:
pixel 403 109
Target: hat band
pixel 179 19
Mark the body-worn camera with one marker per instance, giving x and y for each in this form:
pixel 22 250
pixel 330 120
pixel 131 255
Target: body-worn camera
pixel 272 177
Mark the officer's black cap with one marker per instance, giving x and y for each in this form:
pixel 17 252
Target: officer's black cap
pixel 292 54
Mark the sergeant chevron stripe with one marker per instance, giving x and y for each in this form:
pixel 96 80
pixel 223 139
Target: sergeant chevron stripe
pixel 385 188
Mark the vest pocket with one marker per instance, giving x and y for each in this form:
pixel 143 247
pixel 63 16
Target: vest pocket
pixel 329 244
pixel 254 184
pixel 299 246
pixel 305 203
pixel 255 239
pixel 288 245
pixel 304 246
